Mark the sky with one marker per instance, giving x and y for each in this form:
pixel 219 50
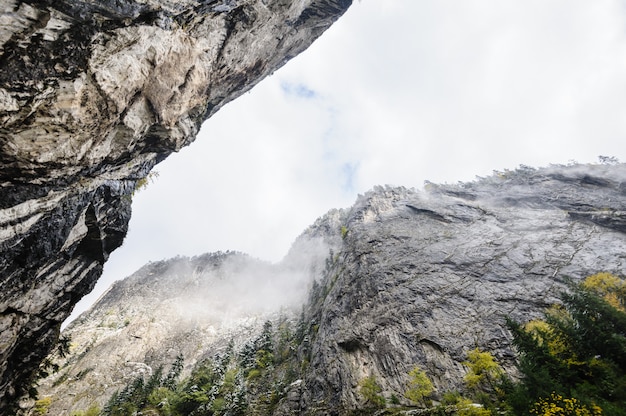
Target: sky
pixel 397 92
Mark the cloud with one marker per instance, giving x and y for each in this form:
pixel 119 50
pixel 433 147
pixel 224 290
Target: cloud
pixel 394 93
pixel 298 90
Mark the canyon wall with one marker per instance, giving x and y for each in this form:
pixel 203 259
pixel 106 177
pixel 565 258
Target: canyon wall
pixel 92 95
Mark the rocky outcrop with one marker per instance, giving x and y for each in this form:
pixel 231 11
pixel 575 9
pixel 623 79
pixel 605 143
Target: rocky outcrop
pixel 92 95
pixel 424 277
pixel 404 278
pixel 194 307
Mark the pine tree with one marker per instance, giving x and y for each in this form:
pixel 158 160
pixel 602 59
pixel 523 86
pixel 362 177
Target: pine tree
pixel 577 355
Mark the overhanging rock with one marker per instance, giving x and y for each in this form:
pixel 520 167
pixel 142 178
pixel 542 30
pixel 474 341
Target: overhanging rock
pixel 94 93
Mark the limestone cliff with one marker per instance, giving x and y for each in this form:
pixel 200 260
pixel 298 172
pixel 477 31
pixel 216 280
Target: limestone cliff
pixel 410 278
pixel 92 95
pixel 423 277
pixel 190 306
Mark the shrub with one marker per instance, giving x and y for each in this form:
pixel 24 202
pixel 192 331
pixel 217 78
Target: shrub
pixel 42 406
pixel 371 392
pixel 420 386
pixel 557 405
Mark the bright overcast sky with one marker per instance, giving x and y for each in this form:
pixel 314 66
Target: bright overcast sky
pixel 396 92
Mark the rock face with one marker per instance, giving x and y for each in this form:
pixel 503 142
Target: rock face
pixel 190 306
pixel 92 95
pixel 424 277
pixel 410 278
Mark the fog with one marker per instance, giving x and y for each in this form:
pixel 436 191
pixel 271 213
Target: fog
pixel 396 92
pixel 219 290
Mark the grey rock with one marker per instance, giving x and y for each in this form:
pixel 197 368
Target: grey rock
pixel 193 306
pixel 403 278
pixel 424 277
pixel 92 95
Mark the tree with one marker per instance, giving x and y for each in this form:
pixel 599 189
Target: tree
pixel 420 387
pixel 577 355
pixel 484 372
pixel 609 287
pixel 486 381
pixel 371 392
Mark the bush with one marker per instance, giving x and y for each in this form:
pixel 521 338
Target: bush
pixel 42 406
pixel 420 386
pixel 557 405
pixel 371 392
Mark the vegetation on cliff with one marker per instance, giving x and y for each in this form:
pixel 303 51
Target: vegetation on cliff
pixel 250 381
pixel 575 359
pixel 573 362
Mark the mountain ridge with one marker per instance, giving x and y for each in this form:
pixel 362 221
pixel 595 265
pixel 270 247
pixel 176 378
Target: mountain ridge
pixel 409 278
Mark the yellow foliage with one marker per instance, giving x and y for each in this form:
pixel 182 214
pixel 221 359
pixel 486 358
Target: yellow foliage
pixel 420 386
pixel 557 405
pixel 42 405
pixel 465 407
pixel 484 370
pixel 544 333
pixel 609 287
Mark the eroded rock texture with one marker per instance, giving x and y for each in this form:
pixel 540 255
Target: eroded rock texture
pixel 92 95
pixel 424 277
pixel 410 278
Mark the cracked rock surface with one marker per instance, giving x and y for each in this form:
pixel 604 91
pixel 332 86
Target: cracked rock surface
pixel 92 95
pixel 409 278
pixel 423 277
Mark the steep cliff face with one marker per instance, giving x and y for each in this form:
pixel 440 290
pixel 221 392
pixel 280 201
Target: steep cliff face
pixel 409 278
pixel 190 306
pixel 424 277
pixel 92 95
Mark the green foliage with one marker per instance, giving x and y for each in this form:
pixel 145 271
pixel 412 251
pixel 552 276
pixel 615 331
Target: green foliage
pixel 143 183
pixel 371 392
pixel 41 406
pixel 249 382
pixel 93 410
pixel 420 387
pixel 465 407
pixel 344 231
pixel 484 372
pixel 450 398
pixel 577 355
pixel 486 382
pixel 140 394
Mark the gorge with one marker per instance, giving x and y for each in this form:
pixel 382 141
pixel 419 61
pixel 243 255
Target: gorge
pixel 92 95
pixel 403 278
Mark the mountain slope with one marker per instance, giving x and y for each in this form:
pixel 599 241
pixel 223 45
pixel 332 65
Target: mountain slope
pixel 424 277
pixel 191 306
pixel 409 278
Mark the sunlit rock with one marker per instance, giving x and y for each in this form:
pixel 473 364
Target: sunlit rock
pixel 92 95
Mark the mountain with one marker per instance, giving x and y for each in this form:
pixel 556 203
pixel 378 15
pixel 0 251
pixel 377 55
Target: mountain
pixel 93 94
pixel 403 278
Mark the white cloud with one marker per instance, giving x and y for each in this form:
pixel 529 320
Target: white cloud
pixel 395 93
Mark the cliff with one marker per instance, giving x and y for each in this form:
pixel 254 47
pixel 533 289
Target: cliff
pixel 402 278
pixel 92 95
pixel 424 277
pixel 190 306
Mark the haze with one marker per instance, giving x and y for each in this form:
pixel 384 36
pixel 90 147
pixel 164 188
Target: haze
pixel 396 92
